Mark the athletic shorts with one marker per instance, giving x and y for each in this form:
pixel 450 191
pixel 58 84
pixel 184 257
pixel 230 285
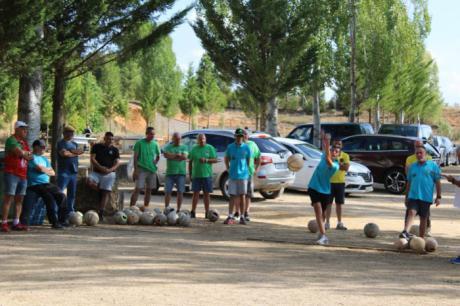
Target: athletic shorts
pixel 146 179
pixel 337 193
pixel 202 183
pixel 14 185
pixel 421 207
pixel 318 197
pixel 250 188
pixel 178 180
pixel 237 187
pixel 103 181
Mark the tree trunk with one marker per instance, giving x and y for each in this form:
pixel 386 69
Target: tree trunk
pixel 57 124
pixel 316 119
pixel 377 117
pixel 29 104
pixel 272 117
pixel 353 61
pixel 263 116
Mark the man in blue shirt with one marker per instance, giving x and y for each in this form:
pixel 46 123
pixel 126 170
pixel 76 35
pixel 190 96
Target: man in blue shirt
pixel 319 187
pixel 422 177
pixel 237 159
pixel 38 180
pixel 67 161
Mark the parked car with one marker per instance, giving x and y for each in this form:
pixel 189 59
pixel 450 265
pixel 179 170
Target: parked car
pixel 357 180
pixel 304 132
pixel 450 152
pixel 271 178
pixel 438 143
pixel 422 131
pixel 385 156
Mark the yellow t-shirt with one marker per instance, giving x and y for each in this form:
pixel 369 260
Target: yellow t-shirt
pixel 413 158
pixel 339 176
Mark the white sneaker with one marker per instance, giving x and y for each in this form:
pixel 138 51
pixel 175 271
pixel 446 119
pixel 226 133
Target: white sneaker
pixel 428 232
pixel 323 240
pixel 327 226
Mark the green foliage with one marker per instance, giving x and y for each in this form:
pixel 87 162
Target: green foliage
pixel 109 80
pixel 190 99
pixel 8 98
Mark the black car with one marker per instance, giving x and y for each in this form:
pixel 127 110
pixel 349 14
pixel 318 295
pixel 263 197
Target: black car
pixel 341 130
pixel 385 156
pixel 422 131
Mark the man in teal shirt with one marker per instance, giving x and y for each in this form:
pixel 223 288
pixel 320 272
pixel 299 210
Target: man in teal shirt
pixel 146 157
pixel 176 155
pixel 422 177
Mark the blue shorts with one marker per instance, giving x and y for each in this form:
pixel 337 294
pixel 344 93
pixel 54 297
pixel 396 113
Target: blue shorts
pixel 178 180
pixel 14 185
pixel 421 207
pixel 202 183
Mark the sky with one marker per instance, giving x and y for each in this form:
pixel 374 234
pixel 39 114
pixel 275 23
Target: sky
pixel 443 43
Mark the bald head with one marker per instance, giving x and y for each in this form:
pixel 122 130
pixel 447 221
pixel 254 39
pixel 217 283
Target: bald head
pixel 176 138
pixel 201 140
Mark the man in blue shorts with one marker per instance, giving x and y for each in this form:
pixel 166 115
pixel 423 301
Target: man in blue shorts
pixel 422 177
pixel 237 159
pixel 319 187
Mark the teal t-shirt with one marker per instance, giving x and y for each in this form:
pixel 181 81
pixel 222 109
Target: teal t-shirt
pixel 147 153
pixel 176 167
pixel 35 177
pixel 238 156
pixel 321 178
pixel 422 178
pixel 199 169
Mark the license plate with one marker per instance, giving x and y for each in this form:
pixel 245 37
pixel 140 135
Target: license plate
pixel 281 165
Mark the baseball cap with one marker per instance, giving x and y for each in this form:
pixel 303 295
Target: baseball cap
pixel 239 132
pixel 68 128
pixel 20 124
pixel 39 142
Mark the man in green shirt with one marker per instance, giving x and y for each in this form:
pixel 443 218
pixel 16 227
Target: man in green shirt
pixel 176 161
pixel 201 158
pixel 146 157
pixel 254 163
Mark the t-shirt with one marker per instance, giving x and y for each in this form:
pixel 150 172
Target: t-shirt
pixel 35 177
pixel 68 165
pixel 422 178
pixel 14 164
pixel 321 178
pixel 339 176
pixel 105 156
pixel 147 154
pixel 238 156
pixel 173 166
pixel 255 153
pixel 413 159
pixel 200 170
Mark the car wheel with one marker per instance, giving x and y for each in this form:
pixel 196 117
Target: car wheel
pixel 273 194
pixel 395 181
pixel 224 186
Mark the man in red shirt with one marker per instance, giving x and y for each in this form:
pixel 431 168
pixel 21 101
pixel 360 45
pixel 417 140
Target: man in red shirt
pixel 17 156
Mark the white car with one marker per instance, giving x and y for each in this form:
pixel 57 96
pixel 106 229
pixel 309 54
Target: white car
pixel 357 180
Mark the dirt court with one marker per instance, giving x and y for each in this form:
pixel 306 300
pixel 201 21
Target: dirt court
pixel 271 261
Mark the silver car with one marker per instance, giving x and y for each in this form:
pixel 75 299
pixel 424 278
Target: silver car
pixel 271 178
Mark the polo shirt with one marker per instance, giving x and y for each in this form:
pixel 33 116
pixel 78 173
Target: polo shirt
pixel 321 178
pixel 238 156
pixel 422 178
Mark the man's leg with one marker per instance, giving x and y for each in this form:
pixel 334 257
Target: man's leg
pixel 410 219
pixel 195 198
pixel 50 203
pixel 319 217
pixel 61 202
pixel 134 197
pixel 180 186
pixel 180 197
pixel 71 192
pixel 18 208
pixel 7 199
pixel 147 196
pixel 423 225
pixel 169 185
pixel 206 200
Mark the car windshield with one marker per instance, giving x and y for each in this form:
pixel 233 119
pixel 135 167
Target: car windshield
pixel 309 150
pixel 402 130
pixel 268 145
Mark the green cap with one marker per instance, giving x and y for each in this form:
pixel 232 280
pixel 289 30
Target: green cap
pixel 239 132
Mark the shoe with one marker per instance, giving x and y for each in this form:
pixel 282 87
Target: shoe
pixel 65 224
pixel 237 215
pixel 327 226
pixel 455 261
pixel 428 232
pixel 340 226
pixel 323 240
pixel 246 217
pixel 405 235
pixel 20 227
pixel 5 227
pixel 57 226
pixel 229 220
pixel 193 216
pixel 242 220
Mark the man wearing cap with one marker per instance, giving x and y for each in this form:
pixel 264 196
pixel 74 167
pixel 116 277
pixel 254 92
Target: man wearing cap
pixel 67 161
pixel 237 159
pixel 17 156
pixel 38 180
pixel 105 159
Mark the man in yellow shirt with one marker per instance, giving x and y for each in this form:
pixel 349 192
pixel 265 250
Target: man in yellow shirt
pixel 410 160
pixel 338 187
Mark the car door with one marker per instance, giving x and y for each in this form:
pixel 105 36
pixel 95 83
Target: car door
pixel 220 143
pixel 303 176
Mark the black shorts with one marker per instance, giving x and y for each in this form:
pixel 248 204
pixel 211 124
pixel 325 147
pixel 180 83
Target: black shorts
pixel 318 197
pixel 337 193
pixel 421 207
